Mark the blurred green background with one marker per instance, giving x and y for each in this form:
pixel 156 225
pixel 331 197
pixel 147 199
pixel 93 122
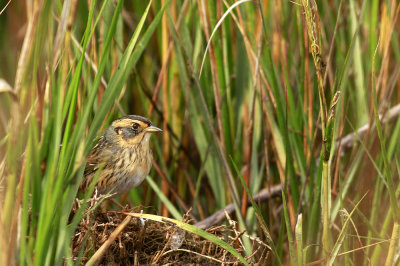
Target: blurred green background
pixel 260 112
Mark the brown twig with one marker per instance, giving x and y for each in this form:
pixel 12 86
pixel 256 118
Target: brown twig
pixel 250 128
pixel 219 216
pixel 348 141
pixel 102 250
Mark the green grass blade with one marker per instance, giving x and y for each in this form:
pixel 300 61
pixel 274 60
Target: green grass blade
pixel 192 229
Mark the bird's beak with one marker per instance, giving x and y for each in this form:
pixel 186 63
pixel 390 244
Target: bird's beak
pixel 152 129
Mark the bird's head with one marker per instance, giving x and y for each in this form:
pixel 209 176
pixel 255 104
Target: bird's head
pixel 130 130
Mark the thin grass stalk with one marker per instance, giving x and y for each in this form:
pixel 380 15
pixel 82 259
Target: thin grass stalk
pixel 258 214
pixel 214 73
pixel 248 156
pixel 9 199
pixel 288 182
pixel 215 11
pixel 208 121
pixel 165 63
pixel 100 70
pixel 301 258
pixel 377 255
pixel 375 212
pixel 252 54
pixel 76 78
pixel 325 209
pixel 76 141
pixel 165 101
pixel 29 175
pixel 53 190
pixel 387 168
pixel 290 238
pixel 388 178
pixel 15 135
pixel 339 241
pixel 220 151
pixel 312 24
pixel 385 44
pixel 16 221
pixel 358 68
pixel 16 142
pixel 393 244
pixel 27 45
pixel 13 223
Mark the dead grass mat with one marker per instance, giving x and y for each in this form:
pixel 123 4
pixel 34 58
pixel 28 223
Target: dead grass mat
pixel 158 243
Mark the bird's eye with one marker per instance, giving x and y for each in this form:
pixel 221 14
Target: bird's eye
pixel 135 125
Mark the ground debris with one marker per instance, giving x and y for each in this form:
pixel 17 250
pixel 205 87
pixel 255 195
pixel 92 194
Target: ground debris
pixel 156 243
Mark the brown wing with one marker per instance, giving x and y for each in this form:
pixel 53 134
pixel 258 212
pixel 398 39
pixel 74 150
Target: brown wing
pixel 95 159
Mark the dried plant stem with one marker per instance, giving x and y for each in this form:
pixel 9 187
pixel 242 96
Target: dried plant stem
pixel 313 30
pixel 102 250
pixel 165 102
pixel 219 216
pixel 348 141
pixel 393 244
pixel 325 208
